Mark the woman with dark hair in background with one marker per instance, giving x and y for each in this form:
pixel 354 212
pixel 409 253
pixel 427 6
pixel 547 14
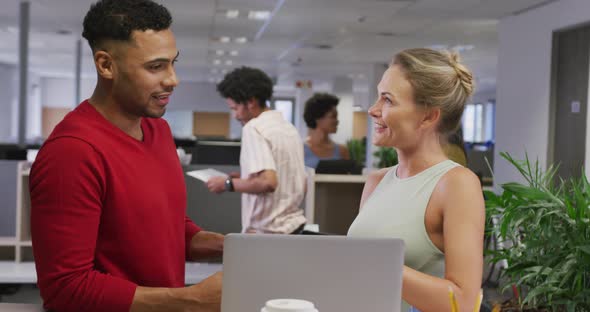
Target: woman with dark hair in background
pixel 321 118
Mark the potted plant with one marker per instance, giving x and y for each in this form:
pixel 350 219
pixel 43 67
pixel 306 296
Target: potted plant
pixel 357 149
pixel 544 225
pixel 385 157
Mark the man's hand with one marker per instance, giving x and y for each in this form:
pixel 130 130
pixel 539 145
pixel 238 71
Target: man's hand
pixel 235 174
pixel 206 246
pixel 202 297
pixel 207 293
pixel 216 185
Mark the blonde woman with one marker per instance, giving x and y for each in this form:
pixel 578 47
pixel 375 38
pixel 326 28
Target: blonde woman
pixel 433 203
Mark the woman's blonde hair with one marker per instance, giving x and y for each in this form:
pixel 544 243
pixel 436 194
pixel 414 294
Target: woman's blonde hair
pixel 439 80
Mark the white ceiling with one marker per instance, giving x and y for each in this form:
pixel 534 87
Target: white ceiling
pixel 353 33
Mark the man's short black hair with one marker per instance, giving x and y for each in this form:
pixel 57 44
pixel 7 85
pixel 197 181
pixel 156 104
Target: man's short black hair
pixel 244 83
pixel 117 19
pixel 317 107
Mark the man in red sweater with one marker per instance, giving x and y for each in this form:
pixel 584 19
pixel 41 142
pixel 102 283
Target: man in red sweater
pixel 108 216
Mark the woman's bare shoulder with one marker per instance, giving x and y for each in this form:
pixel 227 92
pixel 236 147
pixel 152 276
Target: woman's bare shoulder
pixel 377 175
pixel 459 177
pixel 458 185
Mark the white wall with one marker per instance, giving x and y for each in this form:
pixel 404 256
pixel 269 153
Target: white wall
pixel 375 73
pixel 197 96
pixel 61 92
pixel 187 97
pixel 9 96
pixel 587 156
pixel 523 82
pixel 181 122
pixel 202 97
pixel 343 89
pixel 9 92
pixel 345 116
pixel 301 96
pixel 33 129
pixel 483 97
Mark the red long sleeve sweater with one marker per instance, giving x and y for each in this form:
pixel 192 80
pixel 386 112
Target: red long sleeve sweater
pixel 108 213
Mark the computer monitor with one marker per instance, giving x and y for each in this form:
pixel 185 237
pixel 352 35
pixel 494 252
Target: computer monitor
pixel 338 166
pixel 215 153
pixel 13 152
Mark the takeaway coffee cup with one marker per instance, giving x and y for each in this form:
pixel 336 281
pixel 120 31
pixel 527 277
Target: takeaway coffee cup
pixel 288 305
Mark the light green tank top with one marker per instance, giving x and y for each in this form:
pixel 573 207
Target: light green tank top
pixel 396 208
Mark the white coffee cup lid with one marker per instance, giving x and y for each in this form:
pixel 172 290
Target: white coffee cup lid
pixel 289 305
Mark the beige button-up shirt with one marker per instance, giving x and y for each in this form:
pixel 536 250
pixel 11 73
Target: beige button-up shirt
pixel 269 142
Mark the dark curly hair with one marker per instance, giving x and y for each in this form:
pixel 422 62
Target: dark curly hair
pixel 317 107
pixel 245 83
pixel 116 19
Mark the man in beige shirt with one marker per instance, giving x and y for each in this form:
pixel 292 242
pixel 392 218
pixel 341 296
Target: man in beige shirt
pixel 272 179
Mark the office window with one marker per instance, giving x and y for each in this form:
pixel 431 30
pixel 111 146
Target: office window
pixel 469 124
pixel 490 121
pixel 478 122
pixel 181 123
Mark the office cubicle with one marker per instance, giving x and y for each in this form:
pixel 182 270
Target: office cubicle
pixel 213 212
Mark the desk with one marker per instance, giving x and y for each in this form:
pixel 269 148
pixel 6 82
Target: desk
pixel 24 272
pixel 17 273
pixel 17 307
pixel 196 272
pixel 333 200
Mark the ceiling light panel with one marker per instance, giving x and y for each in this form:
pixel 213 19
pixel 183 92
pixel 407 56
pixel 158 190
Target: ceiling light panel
pixel 231 14
pixel 259 15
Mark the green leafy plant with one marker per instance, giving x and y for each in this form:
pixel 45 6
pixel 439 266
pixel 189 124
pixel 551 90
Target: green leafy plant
pixel 544 224
pixel 386 157
pixel 357 149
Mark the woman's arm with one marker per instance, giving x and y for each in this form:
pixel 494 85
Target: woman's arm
pixel 460 196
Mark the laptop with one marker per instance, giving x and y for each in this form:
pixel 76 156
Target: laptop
pixel 335 273
pixel 338 166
